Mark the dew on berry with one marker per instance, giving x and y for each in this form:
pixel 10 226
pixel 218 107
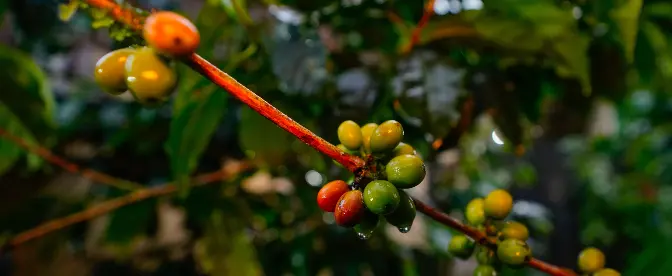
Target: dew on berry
pixel 171 33
pixel 405 171
pixel 404 229
pixel 403 216
pixel 367 225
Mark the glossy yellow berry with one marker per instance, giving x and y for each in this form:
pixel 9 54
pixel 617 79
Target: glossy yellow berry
pixel 367 131
pixel 386 137
pixel 498 204
pixel 110 74
pixel 607 272
pixel 403 149
pixel 148 77
pixel 171 33
pixel 474 212
pixel 514 230
pixel 350 135
pixel 591 260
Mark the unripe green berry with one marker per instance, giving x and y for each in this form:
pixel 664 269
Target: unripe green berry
pixel 485 270
pixel 404 215
pixel 381 197
pixel 591 260
pixel 150 79
pixel 485 256
pixel 513 252
pixel 110 74
pixel 514 230
pixel 367 131
pixel 461 246
pixel 403 149
pixel 386 137
pixel 607 272
pixel 367 225
pixel 498 204
pixel 350 135
pixel 405 171
pixel 474 212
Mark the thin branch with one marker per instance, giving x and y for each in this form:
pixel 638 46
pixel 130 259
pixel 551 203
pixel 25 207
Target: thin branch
pixel 50 157
pixel 351 162
pixel 415 36
pixel 113 204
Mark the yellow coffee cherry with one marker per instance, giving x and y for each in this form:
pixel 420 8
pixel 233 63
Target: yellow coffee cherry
pixel 350 135
pixel 498 204
pixel 591 260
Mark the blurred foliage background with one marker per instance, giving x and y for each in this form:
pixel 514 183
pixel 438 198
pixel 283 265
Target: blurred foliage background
pixel 566 104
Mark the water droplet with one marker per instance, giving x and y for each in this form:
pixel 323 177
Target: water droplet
pixel 364 236
pixel 404 229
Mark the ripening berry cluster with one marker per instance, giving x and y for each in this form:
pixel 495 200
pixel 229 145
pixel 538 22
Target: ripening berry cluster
pixel 396 166
pixel 591 262
pixel 488 214
pixel 148 72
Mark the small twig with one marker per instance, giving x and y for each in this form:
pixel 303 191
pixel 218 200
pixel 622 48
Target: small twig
pixel 113 204
pixel 415 36
pixel 69 166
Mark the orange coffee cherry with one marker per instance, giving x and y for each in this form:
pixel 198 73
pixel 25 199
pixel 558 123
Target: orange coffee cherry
pixel 328 196
pixel 171 34
pixel 349 209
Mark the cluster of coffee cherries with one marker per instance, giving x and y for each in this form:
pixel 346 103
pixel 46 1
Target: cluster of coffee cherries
pixel 487 215
pixel 148 71
pixel 392 167
pixel 591 262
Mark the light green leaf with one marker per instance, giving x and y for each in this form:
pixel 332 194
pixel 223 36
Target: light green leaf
pixel 9 151
pixel 191 129
pixel 658 42
pixel 572 52
pixel 660 10
pixel 66 11
pixel 626 19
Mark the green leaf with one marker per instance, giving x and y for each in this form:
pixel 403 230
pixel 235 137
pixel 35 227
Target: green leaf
pixel 626 19
pixel 191 129
pixel 131 221
pixel 264 142
pixel 66 11
pixel 658 10
pixel 10 152
pixel 572 52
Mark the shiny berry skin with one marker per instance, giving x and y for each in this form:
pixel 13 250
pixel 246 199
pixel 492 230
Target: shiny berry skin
pixel 514 230
pixel 350 135
pixel 485 270
pixel 591 260
pixel 328 196
pixel 404 215
pixel 349 209
pixel 171 34
pixel 513 252
pixel 498 204
pixel 474 212
pixel 405 171
pixel 367 225
pixel 110 74
pixel 607 272
pixel 403 149
pixel 381 197
pixel 150 79
pixel 461 246
pixel 367 130
pixel 386 137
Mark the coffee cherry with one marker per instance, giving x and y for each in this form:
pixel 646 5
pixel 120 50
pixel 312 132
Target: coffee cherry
pixel 514 230
pixel 328 196
pixel 607 272
pixel 485 256
pixel 367 225
pixel 171 34
pixel 349 209
pixel 591 260
pixel 474 212
pixel 386 137
pixel 381 197
pixel 403 149
pixel 404 215
pixel 513 252
pixel 367 131
pixel 109 73
pixel 350 135
pixel 148 77
pixel 485 270
pixel 498 204
pixel 405 171
pixel 461 246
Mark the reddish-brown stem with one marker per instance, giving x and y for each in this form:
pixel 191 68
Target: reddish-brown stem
pixel 352 163
pixel 426 15
pixel 113 204
pixel 69 166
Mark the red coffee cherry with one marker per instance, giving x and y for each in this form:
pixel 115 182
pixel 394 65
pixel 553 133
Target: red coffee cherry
pixel 171 34
pixel 328 196
pixel 349 209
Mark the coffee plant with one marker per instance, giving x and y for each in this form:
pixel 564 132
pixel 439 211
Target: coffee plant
pixel 461 106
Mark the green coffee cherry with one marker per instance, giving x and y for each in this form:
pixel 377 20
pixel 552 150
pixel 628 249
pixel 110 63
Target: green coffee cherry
pixel 514 230
pixel 485 270
pixel 498 204
pixel 607 272
pixel 381 197
pixel 405 171
pixel 513 252
pixel 367 225
pixel 591 260
pixel 386 137
pixel 350 135
pixel 403 149
pixel 485 256
pixel 367 132
pixel 404 215
pixel 110 74
pixel 461 246
pixel 474 212
pixel 148 77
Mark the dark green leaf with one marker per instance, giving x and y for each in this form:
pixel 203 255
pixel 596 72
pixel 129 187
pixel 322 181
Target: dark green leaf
pixel 263 141
pixel 130 222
